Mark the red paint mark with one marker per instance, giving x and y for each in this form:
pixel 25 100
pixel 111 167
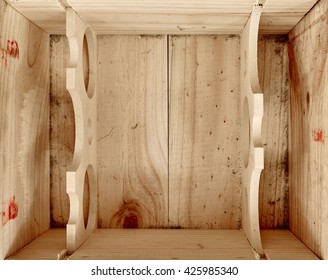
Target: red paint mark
pixel 11 50
pixel 318 136
pixel 10 211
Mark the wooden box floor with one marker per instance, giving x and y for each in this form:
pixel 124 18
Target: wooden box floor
pixel 166 244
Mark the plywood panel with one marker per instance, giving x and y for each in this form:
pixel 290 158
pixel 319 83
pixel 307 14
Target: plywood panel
pixel 24 142
pixel 204 128
pixel 132 131
pixel 274 80
pixel 62 130
pixel 308 169
pixel 122 244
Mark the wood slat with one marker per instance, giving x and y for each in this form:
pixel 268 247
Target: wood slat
pixel 158 22
pixel 51 245
pixel 308 169
pixel 61 119
pixel 274 81
pixel 24 130
pixel 230 16
pixel 283 245
pixel 132 131
pixel 204 132
pixel 165 244
pixel 170 6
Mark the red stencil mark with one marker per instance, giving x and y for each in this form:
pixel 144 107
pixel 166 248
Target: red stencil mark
pixel 12 211
pixel 12 50
pixel 318 136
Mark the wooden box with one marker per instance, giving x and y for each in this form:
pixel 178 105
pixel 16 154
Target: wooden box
pixel 139 130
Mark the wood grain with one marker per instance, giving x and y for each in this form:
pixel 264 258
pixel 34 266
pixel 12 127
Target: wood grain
pixel 165 17
pixel 165 244
pixel 24 142
pixel 308 180
pixel 283 245
pixel 61 120
pixel 204 132
pixel 51 245
pixel 274 81
pixel 132 131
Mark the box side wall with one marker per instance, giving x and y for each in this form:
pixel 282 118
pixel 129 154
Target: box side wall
pixel 24 130
pixel 308 168
pixel 274 81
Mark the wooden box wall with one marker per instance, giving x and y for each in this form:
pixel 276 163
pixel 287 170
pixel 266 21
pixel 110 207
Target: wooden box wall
pixel 202 113
pixel 139 117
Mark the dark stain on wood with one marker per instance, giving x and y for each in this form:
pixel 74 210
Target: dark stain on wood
pixel 129 216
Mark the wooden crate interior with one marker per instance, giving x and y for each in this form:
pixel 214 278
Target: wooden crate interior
pixel 169 156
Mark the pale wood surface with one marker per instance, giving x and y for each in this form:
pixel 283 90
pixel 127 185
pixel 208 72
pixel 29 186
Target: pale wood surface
pixel 81 176
pixel 120 244
pixel 162 17
pixel 125 244
pixel 283 245
pixel 308 169
pixel 132 131
pixel 62 131
pixel 204 132
pixel 24 130
pixel 252 153
pixel 274 81
pixel 51 245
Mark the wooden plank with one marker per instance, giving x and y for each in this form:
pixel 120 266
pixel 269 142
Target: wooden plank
pixel 123 244
pixel 24 124
pixel 274 81
pixel 49 15
pixel 294 6
pixel 165 23
pixel 283 245
pixel 132 131
pixel 165 17
pixel 169 6
pixel 61 119
pixel 308 171
pixel 204 132
pixel 51 245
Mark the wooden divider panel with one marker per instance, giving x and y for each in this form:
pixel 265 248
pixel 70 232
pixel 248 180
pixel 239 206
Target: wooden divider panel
pixel 81 177
pixel 251 130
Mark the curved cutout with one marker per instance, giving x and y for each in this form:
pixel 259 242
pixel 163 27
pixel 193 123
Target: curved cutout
pixel 92 212
pixel 89 62
pixel 86 199
pixel 85 63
